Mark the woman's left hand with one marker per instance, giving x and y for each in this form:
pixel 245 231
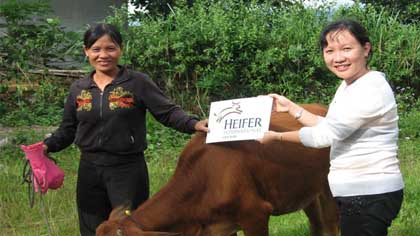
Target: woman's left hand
pixel 202 125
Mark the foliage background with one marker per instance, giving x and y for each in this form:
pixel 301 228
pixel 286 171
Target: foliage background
pixel 208 51
pixel 407 10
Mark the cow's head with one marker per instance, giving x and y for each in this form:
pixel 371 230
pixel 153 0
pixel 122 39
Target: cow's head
pixel 122 224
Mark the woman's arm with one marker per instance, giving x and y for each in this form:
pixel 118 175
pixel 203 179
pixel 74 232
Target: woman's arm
pixel 283 104
pixel 290 136
pixel 306 118
pixel 167 112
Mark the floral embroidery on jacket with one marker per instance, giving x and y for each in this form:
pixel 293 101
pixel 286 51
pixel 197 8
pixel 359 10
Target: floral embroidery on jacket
pixel 119 98
pixel 84 101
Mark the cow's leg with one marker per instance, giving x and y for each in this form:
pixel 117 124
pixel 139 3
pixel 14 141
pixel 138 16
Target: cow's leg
pixel 254 217
pixel 329 212
pixel 314 213
pixel 322 214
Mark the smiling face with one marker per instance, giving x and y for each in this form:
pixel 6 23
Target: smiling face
pixel 104 55
pixel 345 56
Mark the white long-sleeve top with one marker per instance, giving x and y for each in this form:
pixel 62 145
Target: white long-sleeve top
pixel 361 127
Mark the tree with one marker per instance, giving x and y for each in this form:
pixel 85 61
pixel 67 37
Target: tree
pixel 409 10
pixel 158 7
pixel 163 7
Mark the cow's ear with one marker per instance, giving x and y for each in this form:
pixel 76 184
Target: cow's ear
pixel 118 213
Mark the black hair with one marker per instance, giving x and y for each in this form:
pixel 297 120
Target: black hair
pixel 354 27
pixel 97 31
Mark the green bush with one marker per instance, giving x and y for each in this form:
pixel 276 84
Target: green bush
pixel 215 50
pixel 410 123
pixel 40 106
pixel 227 50
pixel 408 10
pixel 33 39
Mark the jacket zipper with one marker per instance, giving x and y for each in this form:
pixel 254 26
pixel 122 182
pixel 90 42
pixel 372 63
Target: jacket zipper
pixel 100 116
pixel 100 105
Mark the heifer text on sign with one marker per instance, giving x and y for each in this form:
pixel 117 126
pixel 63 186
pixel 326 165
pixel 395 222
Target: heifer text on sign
pixel 239 119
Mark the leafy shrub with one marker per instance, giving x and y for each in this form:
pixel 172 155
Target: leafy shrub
pixel 218 50
pixel 410 123
pixel 408 10
pixel 33 39
pixel 226 49
pixel 43 107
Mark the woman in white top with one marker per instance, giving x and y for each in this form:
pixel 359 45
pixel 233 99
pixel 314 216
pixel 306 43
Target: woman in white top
pixel 361 127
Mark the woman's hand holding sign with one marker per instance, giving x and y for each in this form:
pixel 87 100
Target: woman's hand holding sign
pixel 283 104
pixel 280 103
pixel 202 126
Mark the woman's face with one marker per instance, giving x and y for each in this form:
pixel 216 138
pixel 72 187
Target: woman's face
pixel 345 56
pixel 104 54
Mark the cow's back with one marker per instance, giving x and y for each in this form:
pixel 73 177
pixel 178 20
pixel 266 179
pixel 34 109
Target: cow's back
pixel 288 175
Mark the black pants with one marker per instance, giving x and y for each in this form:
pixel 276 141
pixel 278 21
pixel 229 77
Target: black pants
pixel 102 188
pixel 368 215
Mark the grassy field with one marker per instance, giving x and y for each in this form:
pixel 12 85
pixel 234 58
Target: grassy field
pixel 18 219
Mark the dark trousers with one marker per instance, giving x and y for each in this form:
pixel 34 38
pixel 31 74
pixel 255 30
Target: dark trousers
pixel 102 188
pixel 368 215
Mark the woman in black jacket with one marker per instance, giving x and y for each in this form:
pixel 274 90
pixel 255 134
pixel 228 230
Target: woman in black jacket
pixel 104 115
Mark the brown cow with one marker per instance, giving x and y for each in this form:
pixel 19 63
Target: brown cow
pixel 218 189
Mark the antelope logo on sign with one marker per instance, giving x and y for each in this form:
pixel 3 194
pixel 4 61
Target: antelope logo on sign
pixel 234 109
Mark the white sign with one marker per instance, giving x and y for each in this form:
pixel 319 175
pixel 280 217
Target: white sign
pixel 239 119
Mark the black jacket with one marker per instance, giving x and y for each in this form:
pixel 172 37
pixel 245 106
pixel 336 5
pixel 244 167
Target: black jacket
pixel 113 122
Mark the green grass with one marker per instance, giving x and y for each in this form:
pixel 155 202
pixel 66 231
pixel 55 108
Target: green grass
pixel 18 219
